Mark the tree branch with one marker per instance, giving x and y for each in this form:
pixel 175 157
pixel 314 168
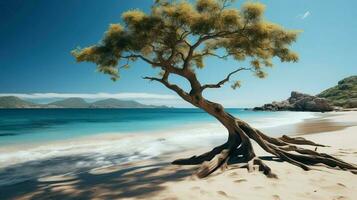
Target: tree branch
pixel 222 82
pixel 126 64
pixel 204 38
pixel 212 54
pixel 143 58
pixel 173 87
pixel 182 56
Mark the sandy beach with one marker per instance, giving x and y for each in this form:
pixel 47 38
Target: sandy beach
pixel 178 100
pixel 156 178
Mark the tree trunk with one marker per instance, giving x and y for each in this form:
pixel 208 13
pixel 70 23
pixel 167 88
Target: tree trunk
pixel 239 149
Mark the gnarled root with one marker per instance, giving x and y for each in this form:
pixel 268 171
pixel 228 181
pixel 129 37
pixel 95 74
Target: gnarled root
pixel 299 141
pixel 208 167
pixel 241 151
pixel 262 167
pixel 224 154
pixel 194 160
pixel 285 149
pixel 210 161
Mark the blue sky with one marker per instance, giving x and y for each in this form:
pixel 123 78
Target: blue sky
pixel 36 38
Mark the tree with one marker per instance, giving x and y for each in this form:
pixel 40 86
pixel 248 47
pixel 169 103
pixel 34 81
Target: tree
pixel 176 37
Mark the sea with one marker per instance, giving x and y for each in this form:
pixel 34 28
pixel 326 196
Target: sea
pixel 42 142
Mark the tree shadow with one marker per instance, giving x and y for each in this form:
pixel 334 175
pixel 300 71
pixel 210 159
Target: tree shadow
pixel 139 180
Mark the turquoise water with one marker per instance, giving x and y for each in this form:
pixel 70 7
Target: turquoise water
pixel 35 125
pixel 27 151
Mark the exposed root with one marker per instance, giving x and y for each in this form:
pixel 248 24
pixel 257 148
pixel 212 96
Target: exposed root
pixel 286 140
pixel 208 167
pixel 294 162
pixel 300 141
pixel 261 167
pixel 194 160
pixel 296 155
pixel 264 168
pixel 221 160
pixel 284 148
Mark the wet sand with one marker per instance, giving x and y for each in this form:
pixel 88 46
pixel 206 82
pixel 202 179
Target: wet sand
pixel 324 122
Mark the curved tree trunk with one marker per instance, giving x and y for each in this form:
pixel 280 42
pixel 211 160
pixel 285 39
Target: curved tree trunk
pixel 239 149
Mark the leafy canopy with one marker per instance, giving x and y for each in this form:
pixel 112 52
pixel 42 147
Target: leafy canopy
pixel 177 36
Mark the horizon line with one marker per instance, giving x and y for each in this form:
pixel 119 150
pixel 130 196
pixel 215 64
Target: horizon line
pixel 100 95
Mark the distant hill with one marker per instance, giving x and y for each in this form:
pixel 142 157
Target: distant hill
pixel 344 94
pixel 115 103
pixel 70 103
pixel 15 102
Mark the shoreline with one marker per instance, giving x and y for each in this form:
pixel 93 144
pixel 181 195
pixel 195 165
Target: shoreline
pixel 162 131
pixel 212 133
pixel 155 178
pixel 322 122
pixel 174 139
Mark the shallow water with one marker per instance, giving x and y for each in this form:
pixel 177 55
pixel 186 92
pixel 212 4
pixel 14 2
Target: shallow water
pixel 18 126
pixel 35 143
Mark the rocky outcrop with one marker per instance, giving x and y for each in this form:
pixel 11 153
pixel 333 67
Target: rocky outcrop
pixel 344 94
pixel 299 102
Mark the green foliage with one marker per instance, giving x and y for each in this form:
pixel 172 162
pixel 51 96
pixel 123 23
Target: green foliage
pixel 167 33
pixel 198 60
pixel 236 84
pixel 344 94
pixel 253 12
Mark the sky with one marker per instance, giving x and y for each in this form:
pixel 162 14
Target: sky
pixel 36 38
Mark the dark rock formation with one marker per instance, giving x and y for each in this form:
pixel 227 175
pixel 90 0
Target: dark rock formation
pixel 299 102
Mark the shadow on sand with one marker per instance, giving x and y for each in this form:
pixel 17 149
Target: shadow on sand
pixel 115 182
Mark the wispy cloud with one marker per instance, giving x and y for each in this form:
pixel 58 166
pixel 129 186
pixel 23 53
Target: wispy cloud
pixel 304 15
pixel 93 95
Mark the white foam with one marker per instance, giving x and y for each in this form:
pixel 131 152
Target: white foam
pixel 284 118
